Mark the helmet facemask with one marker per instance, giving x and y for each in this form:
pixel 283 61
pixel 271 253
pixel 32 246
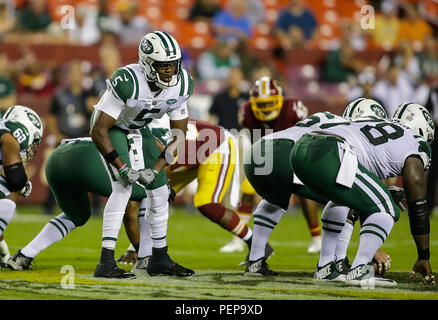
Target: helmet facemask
pixel 266 99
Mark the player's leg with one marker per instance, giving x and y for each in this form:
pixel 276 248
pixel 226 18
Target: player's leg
pixel 132 231
pixel 310 210
pixel 215 178
pixel 7 209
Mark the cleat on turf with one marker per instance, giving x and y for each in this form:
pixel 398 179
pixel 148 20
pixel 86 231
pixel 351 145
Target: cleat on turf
pixel 160 264
pixel 259 267
pixel 140 266
pixel 111 270
pixel 315 245
pixel 329 272
pixel 269 252
pixel 4 253
pixel 363 275
pixel 343 265
pixel 19 262
pixel 235 245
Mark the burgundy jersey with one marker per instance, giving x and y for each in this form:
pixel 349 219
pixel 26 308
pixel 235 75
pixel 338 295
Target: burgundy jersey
pixel 202 139
pixel 292 111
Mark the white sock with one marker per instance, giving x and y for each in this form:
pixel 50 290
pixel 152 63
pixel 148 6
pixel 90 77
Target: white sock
pixel 332 221
pixel 113 213
pixel 4 251
pixel 343 241
pixel 53 231
pixel 158 215
pixel 266 217
pixel 7 209
pixel 145 248
pixel 373 233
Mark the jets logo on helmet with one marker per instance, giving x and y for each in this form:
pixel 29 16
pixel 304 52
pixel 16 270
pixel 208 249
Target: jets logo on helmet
pixel 266 99
pixel 27 128
pixel 416 117
pixel 160 59
pixel 363 107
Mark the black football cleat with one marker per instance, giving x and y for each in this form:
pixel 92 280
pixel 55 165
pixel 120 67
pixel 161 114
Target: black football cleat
pixel 343 265
pixel 19 262
pixel 160 264
pixel 109 270
pixel 259 268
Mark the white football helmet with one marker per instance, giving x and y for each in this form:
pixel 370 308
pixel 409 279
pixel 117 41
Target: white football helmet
pixel 363 107
pixel 27 127
pixel 157 49
pixel 416 117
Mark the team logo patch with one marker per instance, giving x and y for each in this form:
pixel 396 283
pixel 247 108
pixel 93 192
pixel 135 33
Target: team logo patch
pixel 34 120
pixel 428 119
pixel 171 101
pixel 146 46
pixel 378 110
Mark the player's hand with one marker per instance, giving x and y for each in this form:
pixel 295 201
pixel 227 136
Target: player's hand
pixel 172 193
pixel 398 194
pixel 27 189
pixel 383 261
pixel 147 176
pixel 423 266
pixel 128 175
pixel 130 257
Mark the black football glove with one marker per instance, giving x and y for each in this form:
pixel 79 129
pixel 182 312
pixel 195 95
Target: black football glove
pixel 398 194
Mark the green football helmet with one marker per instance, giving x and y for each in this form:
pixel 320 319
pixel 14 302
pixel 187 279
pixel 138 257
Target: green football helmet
pixel 27 127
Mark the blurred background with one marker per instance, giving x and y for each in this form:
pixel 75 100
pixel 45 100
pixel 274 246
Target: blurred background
pixel 55 56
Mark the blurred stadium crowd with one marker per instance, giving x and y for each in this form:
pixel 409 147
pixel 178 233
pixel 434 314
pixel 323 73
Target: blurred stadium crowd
pixel 55 55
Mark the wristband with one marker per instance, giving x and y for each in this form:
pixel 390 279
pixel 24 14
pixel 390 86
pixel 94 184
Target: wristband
pixel 419 217
pixel 423 254
pixel 111 156
pixel 123 169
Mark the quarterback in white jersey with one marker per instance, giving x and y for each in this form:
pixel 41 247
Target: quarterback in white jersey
pixel 136 94
pixel 345 161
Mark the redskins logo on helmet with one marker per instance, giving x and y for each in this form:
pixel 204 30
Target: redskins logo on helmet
pixel 266 99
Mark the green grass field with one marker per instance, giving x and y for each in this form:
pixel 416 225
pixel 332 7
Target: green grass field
pixel 194 242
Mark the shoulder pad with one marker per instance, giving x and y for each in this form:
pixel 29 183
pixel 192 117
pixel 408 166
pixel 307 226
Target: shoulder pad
pixel 186 83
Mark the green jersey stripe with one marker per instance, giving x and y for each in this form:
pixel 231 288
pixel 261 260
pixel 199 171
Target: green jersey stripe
pixel 136 89
pixel 191 84
pixel 181 91
pixel 57 227
pixel 375 192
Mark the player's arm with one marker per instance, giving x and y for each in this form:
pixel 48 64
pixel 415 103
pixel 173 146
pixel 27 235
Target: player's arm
pixel 15 174
pixel 100 135
pixel 416 192
pixel 170 153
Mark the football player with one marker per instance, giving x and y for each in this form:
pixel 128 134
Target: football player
pixel 73 170
pixel 269 111
pixel 345 161
pixel 21 132
pixel 211 157
pixel 276 186
pixel 136 94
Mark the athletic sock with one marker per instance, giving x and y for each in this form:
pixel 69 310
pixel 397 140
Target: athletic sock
pixel 145 248
pixel 244 212
pixel 55 230
pixel 266 217
pixel 7 209
pixel 333 220
pixel 238 227
pixel 373 234
pixel 158 215
pixel 343 241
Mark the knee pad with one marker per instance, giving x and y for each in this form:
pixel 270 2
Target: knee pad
pixel 213 211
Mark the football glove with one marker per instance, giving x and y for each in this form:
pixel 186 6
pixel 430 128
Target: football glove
pixel 147 176
pixel 398 194
pixel 172 193
pixel 128 175
pixel 27 189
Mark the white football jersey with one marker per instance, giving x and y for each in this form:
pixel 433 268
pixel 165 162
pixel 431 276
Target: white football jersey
pixel 129 100
pixel 304 126
pixel 382 146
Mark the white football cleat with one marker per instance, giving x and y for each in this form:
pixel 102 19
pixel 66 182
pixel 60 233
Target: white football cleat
pixel 235 245
pixel 4 252
pixel 315 245
pixel 363 275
